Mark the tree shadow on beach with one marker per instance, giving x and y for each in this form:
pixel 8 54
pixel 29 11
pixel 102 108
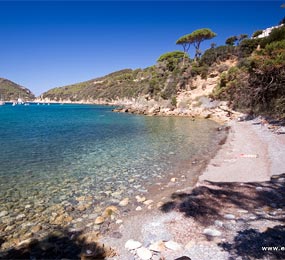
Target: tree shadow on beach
pixel 259 202
pixel 59 244
pixel 211 200
pixel 250 244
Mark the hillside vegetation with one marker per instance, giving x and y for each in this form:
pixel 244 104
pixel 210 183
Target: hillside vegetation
pixel 12 91
pixel 253 82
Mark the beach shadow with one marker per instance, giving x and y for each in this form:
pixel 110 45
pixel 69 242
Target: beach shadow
pixel 250 244
pixel 209 202
pixel 59 244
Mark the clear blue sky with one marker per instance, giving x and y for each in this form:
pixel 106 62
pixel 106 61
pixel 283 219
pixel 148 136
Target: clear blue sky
pixel 50 44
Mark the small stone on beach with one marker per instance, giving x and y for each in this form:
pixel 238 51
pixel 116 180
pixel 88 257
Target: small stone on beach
pixel 157 246
pixel 132 244
pixel 229 216
pixel 99 220
pixel 144 254
pixel 124 202
pixel 140 199
pixel 212 232
pixel 148 202
pixel 173 245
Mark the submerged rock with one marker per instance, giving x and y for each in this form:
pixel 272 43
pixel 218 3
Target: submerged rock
pixel 3 213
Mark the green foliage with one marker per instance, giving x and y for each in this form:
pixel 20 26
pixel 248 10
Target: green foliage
pixel 185 39
pixel 257 83
pixel 172 59
pixel 220 53
pixel 202 34
pixel 257 33
pixel 247 46
pixel 12 91
pixel 174 101
pixel 198 69
pixel 231 40
pixel 196 37
pixel 277 34
pixel 176 55
pixel 282 21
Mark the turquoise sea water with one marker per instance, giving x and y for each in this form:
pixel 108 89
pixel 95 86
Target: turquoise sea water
pixel 52 154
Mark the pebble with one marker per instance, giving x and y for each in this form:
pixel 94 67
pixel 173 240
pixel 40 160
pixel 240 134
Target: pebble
pixel 21 216
pixel 82 198
pixel 157 246
pixel 132 244
pixel 110 210
pixel 140 199
pixel 229 216
pixel 124 202
pixel 212 232
pixel 148 202
pixel 190 244
pixel 3 213
pixel 139 208
pixel 81 207
pixel 218 223
pixel 92 216
pixel 173 179
pixel 159 204
pixel 119 221
pixel 144 254
pixel 36 229
pixel 99 220
pixel 242 211
pixel 173 245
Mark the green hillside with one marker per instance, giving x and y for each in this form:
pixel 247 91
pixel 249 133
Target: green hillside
pixel 125 83
pixel 255 85
pixel 12 91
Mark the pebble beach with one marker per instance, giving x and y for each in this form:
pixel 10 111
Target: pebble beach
pixel 214 216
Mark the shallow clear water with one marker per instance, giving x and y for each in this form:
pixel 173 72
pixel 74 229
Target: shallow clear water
pixel 51 155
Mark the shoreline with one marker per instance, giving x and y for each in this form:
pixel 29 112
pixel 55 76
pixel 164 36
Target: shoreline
pixel 181 213
pixel 245 167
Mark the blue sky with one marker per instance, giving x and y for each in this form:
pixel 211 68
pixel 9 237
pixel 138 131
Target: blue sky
pixel 50 44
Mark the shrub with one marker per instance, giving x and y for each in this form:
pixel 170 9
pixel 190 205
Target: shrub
pixel 257 33
pixel 277 34
pixel 247 47
pixel 172 59
pixel 174 101
pixel 199 70
pixel 220 53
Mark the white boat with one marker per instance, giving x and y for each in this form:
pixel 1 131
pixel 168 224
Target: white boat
pixel 20 101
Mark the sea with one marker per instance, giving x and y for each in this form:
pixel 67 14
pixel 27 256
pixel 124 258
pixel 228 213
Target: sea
pixel 74 160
